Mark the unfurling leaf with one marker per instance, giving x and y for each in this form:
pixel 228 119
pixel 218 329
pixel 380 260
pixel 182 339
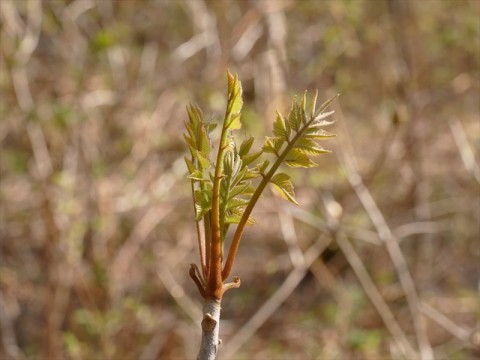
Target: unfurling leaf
pixel 198 143
pixel 231 164
pixel 281 182
pixel 197 130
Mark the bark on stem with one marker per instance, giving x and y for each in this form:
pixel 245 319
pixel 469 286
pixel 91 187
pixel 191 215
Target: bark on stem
pixel 210 330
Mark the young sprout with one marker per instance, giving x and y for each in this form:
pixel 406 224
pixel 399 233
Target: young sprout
pixel 226 191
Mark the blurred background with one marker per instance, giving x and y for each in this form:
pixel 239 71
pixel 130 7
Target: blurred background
pixel 379 261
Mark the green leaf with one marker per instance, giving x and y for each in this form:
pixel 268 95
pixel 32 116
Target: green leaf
pixel 309 147
pixel 248 159
pixel 325 105
pixel 273 145
pixel 190 166
pixel 197 137
pixel 239 175
pixel 199 212
pixel 196 175
pixel 319 120
pixel 231 162
pixel 281 182
pixel 268 145
pixel 279 127
pixel 211 126
pixel 202 160
pixel 263 166
pixel 228 164
pixel 235 101
pixel 245 146
pixel 192 146
pixel 237 166
pixel 250 174
pixel 196 118
pixel 318 134
pixel 298 159
pixel 313 104
pixel 302 108
pixel 234 216
pixel 237 202
pixel 203 141
pixel 295 116
pixel 190 129
pixel 234 123
pixel 241 189
pixel 203 202
pixel 321 123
